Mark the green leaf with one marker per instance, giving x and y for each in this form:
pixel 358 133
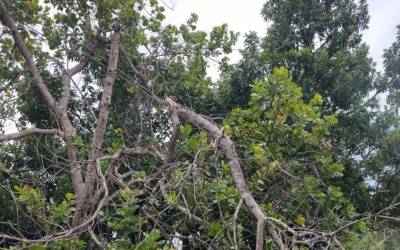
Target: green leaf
pixel 213 229
pixel 186 129
pixel 336 169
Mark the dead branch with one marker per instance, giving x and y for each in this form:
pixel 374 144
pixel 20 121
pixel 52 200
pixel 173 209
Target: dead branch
pixel 228 147
pixel 101 245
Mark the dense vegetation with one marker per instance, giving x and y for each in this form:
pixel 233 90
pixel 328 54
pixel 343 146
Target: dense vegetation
pixel 125 142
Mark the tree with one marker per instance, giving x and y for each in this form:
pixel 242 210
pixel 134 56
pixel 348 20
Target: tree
pixel 114 149
pixel 319 42
pixel 391 74
pixel 381 165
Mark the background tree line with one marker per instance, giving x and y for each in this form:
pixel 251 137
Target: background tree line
pixel 125 142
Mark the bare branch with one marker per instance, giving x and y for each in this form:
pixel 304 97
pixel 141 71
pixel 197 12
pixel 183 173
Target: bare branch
pixel 143 151
pixel 234 220
pixel 138 151
pixel 99 243
pixel 389 217
pixel 260 234
pixel 228 147
pixel 98 137
pixel 74 70
pixel 28 132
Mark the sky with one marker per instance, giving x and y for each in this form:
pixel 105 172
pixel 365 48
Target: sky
pixel 384 17
pixel 244 17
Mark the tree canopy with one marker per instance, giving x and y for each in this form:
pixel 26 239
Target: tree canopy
pixel 123 141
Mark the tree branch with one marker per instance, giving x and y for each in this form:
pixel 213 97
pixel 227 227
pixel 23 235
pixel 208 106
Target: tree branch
pixel 98 137
pixel 10 23
pixel 100 244
pixel 143 151
pixel 67 128
pixel 228 147
pixel 69 73
pixel 28 132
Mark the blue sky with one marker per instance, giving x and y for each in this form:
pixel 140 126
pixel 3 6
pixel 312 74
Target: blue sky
pixel 243 17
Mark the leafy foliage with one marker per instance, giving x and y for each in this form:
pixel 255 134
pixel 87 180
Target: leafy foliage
pixel 301 106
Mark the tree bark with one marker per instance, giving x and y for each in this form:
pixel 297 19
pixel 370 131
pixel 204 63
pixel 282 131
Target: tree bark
pixel 67 129
pixel 98 136
pixel 227 146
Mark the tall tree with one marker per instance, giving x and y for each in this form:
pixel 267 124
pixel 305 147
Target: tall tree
pixel 382 163
pixel 114 149
pixel 320 43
